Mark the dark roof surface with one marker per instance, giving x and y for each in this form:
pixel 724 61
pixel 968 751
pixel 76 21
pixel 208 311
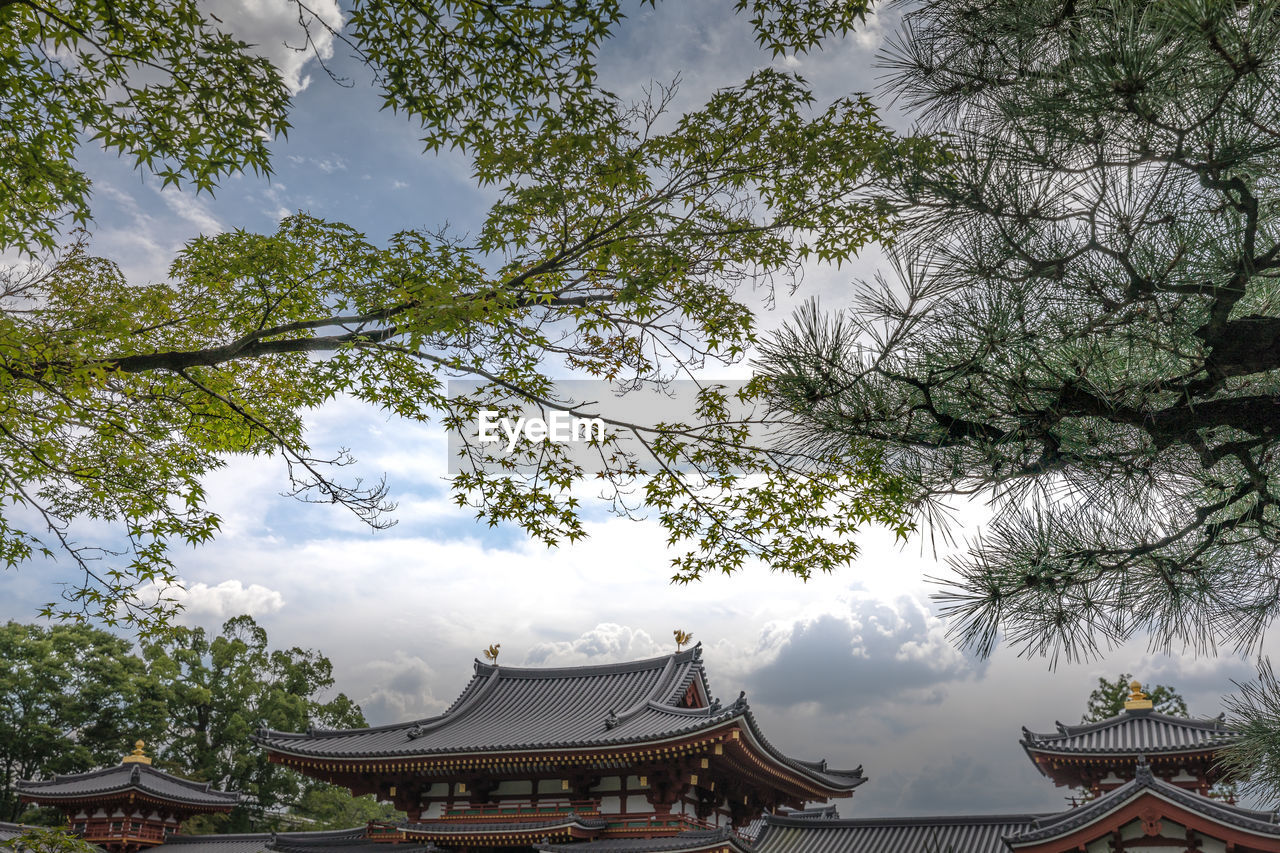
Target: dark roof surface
pixel 753 829
pixel 964 834
pixel 356 842
pixel 328 841
pixel 11 830
pixel 1262 823
pixel 133 776
pixel 505 709
pixel 254 842
pixel 495 827
pixel 1133 732
pixel 685 842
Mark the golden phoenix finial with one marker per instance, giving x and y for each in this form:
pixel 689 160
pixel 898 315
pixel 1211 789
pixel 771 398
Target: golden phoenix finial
pixel 491 653
pixel 682 638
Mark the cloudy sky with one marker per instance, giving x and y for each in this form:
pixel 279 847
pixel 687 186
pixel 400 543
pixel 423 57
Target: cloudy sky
pixel 852 667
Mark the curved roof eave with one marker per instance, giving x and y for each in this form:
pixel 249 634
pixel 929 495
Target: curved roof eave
pixel 1263 824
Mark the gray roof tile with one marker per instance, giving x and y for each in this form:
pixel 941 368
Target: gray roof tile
pixel 505 709
pixel 259 842
pixel 753 829
pixel 11 830
pixel 963 834
pixel 262 842
pixel 311 842
pixel 133 776
pixel 1132 732
pixel 504 827
pixel 686 842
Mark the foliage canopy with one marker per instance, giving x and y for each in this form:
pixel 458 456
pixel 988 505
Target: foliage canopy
pixel 623 245
pixel 158 82
pixel 1108 698
pixel 74 698
pixel 70 698
pixel 1085 320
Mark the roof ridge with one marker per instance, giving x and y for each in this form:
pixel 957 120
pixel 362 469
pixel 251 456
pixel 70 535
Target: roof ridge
pixel 647 699
pixel 121 777
pixel 713 710
pixel 214 838
pixel 1205 723
pixel 203 787
pixel 905 820
pixel 588 670
pixel 303 834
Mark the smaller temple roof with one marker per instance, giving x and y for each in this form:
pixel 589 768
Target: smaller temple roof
pixel 1044 828
pixel 692 841
pixel 1132 732
pixel 968 833
pixel 133 776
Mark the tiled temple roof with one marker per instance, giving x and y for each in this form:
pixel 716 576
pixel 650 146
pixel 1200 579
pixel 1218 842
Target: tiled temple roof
pixel 328 841
pixel 1261 823
pixel 753 829
pixel 11 830
pixel 511 709
pixel 692 841
pixel 508 827
pixel 964 834
pixel 1131 733
pixel 124 778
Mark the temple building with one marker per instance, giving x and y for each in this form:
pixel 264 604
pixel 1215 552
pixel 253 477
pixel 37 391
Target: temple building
pixel 129 807
pixel 1100 757
pixel 639 758
pixel 596 754
pixel 1146 778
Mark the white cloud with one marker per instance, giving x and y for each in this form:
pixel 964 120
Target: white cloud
pixel 328 164
pixel 191 209
pixel 273 27
pixel 870 36
pixel 402 689
pixel 860 652
pixel 208 606
pixel 607 642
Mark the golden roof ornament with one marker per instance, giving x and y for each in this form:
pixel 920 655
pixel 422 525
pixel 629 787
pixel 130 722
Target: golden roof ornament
pixel 137 756
pixel 1137 700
